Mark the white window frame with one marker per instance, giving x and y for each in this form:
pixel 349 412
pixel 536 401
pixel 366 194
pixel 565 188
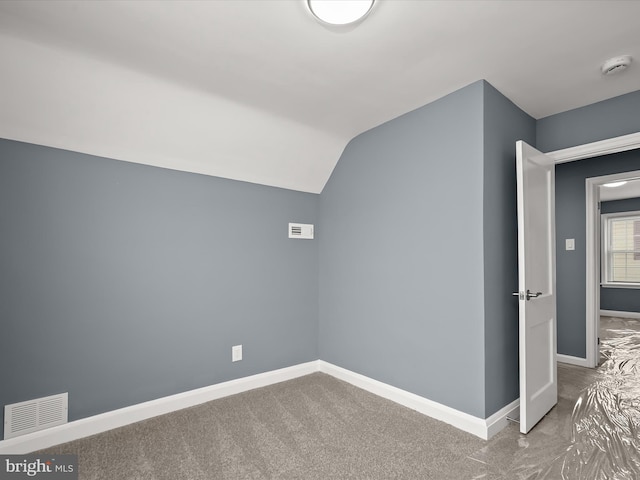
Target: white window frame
pixel 604 256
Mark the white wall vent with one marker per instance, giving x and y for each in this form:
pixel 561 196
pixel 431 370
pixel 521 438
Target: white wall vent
pixel 301 230
pixel 33 415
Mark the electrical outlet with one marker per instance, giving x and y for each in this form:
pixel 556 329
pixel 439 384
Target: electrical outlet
pixel 236 353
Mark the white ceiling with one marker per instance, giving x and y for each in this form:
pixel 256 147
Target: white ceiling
pixel 631 189
pixel 257 90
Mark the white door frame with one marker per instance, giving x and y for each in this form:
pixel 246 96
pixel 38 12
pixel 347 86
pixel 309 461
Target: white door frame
pixel 581 152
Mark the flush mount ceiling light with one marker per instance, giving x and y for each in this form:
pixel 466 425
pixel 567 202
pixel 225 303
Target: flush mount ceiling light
pixel 616 65
pixel 614 184
pixel 339 12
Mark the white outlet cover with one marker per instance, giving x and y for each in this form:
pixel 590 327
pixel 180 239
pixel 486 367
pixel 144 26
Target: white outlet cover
pixel 236 353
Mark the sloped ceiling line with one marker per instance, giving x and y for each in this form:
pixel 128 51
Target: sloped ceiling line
pixel 259 91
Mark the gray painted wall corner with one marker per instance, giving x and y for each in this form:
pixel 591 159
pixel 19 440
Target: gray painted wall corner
pixel 504 124
pixel 122 283
pixel 402 232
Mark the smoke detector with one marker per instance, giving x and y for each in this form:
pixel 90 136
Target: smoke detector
pixel 616 64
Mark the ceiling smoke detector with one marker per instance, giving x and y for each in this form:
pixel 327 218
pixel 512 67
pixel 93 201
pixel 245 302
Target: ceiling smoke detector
pixel 616 64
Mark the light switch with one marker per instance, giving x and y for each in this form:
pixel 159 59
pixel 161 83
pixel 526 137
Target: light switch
pixel 236 353
pixel 570 244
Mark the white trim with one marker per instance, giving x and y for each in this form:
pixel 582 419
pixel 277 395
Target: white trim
pixel 483 428
pixel 581 362
pixel 597 149
pixel 618 314
pixel 626 213
pixel 621 285
pixel 592 281
pixel 142 411
pixel 605 247
pixel 496 422
pixel 589 150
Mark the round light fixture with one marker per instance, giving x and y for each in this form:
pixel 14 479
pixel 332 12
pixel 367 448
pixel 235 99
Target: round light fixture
pixel 339 12
pixel 614 184
pixel 616 64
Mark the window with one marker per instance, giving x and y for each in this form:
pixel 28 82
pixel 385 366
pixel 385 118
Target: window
pixel 621 249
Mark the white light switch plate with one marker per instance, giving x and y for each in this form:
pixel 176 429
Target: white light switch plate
pixel 236 353
pixel 570 244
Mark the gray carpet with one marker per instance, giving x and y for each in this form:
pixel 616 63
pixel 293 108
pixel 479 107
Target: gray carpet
pixel 317 427
pixel 313 427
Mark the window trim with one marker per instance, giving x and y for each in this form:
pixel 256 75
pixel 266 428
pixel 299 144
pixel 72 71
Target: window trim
pixel 604 257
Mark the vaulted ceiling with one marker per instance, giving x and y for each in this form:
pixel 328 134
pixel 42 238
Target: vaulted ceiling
pixel 259 91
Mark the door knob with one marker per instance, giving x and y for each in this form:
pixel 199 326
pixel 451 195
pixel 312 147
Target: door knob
pixel 528 295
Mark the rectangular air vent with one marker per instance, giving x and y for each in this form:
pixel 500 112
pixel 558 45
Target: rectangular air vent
pixel 33 415
pixel 301 230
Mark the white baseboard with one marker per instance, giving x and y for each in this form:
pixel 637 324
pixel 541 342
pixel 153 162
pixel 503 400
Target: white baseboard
pixel 615 313
pixel 483 428
pixel 142 411
pixel 480 427
pixel 581 362
pixel 498 420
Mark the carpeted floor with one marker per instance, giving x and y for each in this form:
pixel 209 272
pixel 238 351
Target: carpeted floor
pixel 318 427
pixel 314 427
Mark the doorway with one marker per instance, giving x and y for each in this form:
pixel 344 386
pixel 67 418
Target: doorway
pixel 593 248
pixel 592 284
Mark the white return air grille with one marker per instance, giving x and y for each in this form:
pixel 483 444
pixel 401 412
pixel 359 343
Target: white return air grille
pixel 301 230
pixel 33 415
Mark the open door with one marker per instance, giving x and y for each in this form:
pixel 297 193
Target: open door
pixel 536 284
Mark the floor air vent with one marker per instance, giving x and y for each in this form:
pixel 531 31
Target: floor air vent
pixel 33 415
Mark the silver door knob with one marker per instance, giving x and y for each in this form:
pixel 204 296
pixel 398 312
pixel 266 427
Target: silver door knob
pixel 530 295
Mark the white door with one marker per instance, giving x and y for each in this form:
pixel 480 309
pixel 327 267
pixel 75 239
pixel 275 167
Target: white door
pixel 536 284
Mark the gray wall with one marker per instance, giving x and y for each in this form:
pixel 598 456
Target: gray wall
pixel 598 121
pixel 418 256
pixel 571 266
pixel 620 299
pixel 504 124
pixel 401 254
pixel 123 283
pixel 624 205
pixel 610 118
